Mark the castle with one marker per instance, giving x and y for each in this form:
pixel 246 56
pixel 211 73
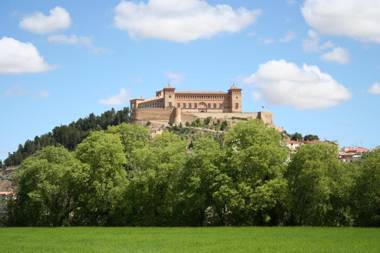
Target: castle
pixel 173 107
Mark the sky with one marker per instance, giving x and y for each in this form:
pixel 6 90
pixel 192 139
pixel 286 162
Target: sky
pixel 314 63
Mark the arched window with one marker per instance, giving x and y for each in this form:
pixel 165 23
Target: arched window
pixel 214 106
pixel 189 105
pixel 237 106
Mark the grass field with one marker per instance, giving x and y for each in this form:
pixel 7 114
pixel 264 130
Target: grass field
pixel 245 239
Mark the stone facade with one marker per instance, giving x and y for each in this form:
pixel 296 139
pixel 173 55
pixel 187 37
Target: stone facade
pixel 192 101
pixel 173 107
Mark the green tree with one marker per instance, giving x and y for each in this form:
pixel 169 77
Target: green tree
pixel 253 189
pixel 197 183
pixel 318 185
pixel 311 137
pixel 366 192
pixel 49 185
pixel 104 154
pixel 152 193
pixel 132 136
pixel 296 137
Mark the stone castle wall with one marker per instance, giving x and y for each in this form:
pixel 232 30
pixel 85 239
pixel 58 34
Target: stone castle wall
pixel 152 114
pixel 176 115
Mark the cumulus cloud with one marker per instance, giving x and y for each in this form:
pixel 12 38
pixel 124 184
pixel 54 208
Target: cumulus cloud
pixel 58 19
pixel 375 89
pixel 18 57
pixel 358 19
pixel 338 55
pixel 121 98
pixel 75 40
pixel 174 77
pixel 180 21
pixel 284 83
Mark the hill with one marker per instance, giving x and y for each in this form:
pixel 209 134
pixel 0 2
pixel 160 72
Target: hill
pixel 69 135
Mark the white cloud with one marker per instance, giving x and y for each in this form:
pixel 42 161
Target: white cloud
pixel 16 90
pixel 375 89
pixel 18 57
pixel 358 19
pixel 173 77
pixel 75 40
pixel 312 42
pixel 288 37
pixel 43 94
pixel 180 21
pixel 118 99
pixel 284 83
pixel 268 41
pixel 37 22
pixel 338 55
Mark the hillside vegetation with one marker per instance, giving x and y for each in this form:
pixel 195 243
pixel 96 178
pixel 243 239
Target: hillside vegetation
pixel 68 136
pixel 122 176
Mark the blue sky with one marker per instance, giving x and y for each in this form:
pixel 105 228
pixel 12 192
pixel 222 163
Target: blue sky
pixel 315 63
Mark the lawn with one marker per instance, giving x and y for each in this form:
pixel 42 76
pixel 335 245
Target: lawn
pixel 222 239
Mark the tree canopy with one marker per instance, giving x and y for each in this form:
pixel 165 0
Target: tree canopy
pixel 244 176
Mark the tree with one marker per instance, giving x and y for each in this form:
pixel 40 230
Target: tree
pixel 253 189
pixel 132 137
pixel 104 154
pixel 366 192
pixel 311 137
pixel 68 135
pixel 197 183
pixel 49 186
pixel 318 187
pixel 296 137
pixel 152 193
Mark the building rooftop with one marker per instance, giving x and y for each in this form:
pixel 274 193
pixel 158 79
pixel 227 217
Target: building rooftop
pixel 200 92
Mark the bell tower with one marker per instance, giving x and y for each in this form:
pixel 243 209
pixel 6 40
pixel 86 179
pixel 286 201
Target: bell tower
pixel 169 96
pixel 234 94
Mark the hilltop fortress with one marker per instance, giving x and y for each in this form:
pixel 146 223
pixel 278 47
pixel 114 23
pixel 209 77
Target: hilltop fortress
pixel 174 107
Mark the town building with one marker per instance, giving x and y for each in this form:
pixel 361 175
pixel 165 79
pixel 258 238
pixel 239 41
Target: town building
pixel 350 154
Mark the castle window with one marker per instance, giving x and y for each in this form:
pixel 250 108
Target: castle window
pixel 209 105
pixel 214 106
pixel 195 105
pixel 170 96
pixel 236 106
pixel 189 105
pixel 178 105
pixel 184 105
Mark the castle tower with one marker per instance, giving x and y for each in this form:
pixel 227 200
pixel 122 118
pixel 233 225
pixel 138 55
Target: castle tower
pixel 234 94
pixel 169 96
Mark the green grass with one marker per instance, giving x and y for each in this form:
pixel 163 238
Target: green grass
pixel 223 239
